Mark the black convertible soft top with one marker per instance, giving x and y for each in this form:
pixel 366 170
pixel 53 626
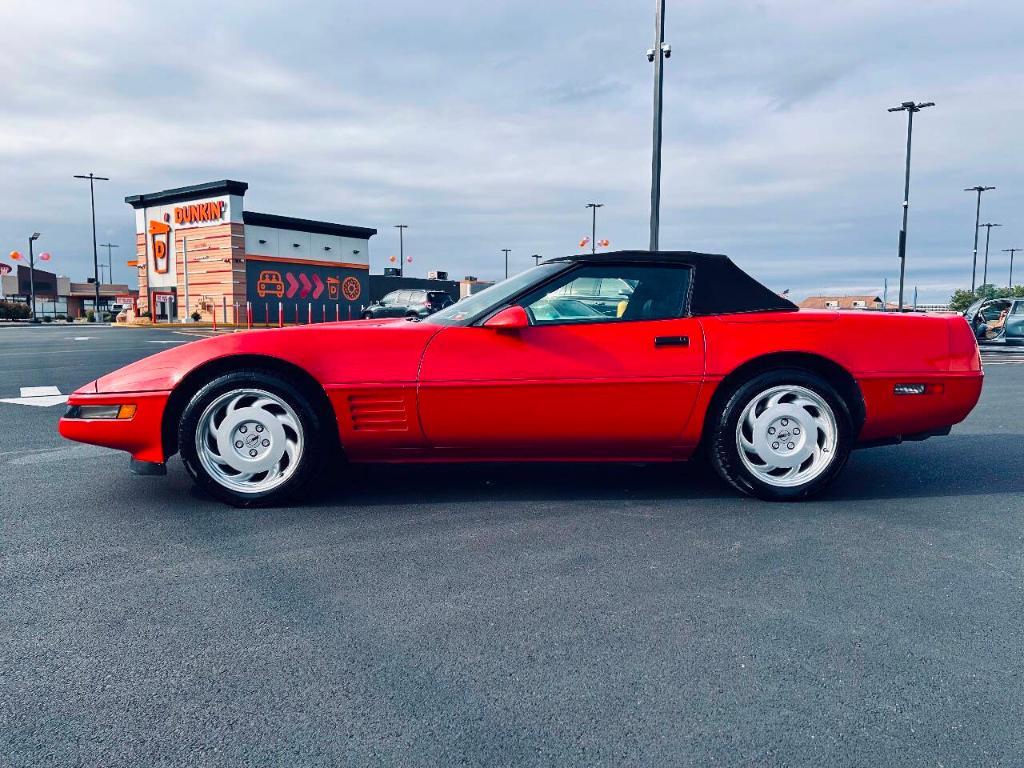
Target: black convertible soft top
pixel 719 286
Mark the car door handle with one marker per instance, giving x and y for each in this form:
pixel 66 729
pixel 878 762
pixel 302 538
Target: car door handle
pixel 671 341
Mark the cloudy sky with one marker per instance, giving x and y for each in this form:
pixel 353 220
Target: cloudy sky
pixel 485 125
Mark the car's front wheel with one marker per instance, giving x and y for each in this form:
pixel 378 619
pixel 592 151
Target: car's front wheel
pixel 251 438
pixel 782 436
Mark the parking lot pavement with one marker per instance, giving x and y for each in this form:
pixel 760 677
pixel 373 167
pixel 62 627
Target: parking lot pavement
pixel 518 615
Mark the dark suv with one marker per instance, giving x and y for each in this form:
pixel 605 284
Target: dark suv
pixel 413 302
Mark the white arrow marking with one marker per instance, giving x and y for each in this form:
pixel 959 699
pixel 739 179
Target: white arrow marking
pixel 41 397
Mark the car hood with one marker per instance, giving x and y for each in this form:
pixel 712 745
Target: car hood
pixel 333 353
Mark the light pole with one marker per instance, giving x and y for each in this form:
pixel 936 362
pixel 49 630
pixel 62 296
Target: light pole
pixel 536 259
pixel 593 225
pixel 32 275
pixel 507 251
pixel 110 263
pixel 95 254
pixel 988 233
pixel 657 55
pixel 977 225
pixel 910 108
pixel 1010 251
pixel 401 248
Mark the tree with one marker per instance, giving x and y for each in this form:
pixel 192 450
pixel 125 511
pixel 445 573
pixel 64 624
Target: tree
pixel 962 298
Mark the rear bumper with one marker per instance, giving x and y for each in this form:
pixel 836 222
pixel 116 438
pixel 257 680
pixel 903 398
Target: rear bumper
pixel 893 418
pixel 141 436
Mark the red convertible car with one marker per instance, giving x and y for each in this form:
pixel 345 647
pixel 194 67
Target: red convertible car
pixel 630 356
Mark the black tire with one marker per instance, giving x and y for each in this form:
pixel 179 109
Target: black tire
pixel 367 316
pixel 316 443
pixel 724 452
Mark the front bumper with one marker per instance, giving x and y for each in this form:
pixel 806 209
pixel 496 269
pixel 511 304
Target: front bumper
pixel 141 435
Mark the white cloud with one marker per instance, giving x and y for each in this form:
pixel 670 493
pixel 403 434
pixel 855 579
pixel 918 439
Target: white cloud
pixel 490 125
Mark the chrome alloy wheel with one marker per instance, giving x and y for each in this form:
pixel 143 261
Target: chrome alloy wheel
pixel 787 435
pixel 249 440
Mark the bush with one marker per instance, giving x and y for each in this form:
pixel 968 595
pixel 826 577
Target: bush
pixel 90 316
pixel 47 319
pixel 196 317
pixel 13 310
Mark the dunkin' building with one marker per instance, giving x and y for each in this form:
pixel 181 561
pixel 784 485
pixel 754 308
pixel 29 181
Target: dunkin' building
pixel 199 250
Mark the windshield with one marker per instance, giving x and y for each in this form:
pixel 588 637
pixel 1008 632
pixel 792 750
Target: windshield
pixel 465 311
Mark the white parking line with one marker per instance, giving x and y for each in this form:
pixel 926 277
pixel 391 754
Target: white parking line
pixel 40 397
pixel 82 338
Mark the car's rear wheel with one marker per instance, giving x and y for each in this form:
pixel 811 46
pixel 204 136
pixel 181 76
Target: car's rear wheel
pixel 367 316
pixel 251 438
pixel 783 435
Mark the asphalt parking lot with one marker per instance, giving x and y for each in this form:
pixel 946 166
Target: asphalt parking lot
pixel 506 616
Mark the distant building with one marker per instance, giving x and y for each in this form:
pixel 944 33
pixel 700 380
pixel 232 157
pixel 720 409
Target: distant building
pixel 199 251
pixel 843 302
pixel 59 295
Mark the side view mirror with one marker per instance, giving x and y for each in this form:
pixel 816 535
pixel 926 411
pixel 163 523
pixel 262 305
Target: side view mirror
pixel 509 319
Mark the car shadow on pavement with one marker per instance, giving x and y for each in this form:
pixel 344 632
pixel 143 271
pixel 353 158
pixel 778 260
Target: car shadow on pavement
pixel 958 465
pixel 439 483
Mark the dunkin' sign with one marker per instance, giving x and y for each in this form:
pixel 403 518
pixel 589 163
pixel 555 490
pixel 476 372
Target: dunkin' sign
pixel 199 213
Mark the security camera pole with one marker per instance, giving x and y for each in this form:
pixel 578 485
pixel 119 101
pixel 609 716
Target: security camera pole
pixel 657 55
pixel 988 234
pixel 95 253
pixel 401 248
pixel 977 225
pixel 593 225
pixel 32 275
pixel 910 108
pixel 1010 251
pixel 506 251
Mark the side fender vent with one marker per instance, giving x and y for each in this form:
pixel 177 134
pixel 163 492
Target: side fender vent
pixel 378 413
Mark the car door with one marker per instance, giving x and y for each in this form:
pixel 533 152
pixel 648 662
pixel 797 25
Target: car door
pixel 1015 322
pixel 579 382
pixel 386 305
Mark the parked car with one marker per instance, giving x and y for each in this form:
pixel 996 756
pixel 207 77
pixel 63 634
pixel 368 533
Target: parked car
pixel 412 303
pixel 997 321
pixel 701 358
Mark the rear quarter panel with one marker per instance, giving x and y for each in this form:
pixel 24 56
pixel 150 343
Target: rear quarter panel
pixel 879 350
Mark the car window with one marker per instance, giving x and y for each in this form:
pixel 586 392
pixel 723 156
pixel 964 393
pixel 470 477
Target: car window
pixel 402 297
pixel 1018 308
pixel 389 298
pixel 612 293
pixel 472 307
pixel 992 311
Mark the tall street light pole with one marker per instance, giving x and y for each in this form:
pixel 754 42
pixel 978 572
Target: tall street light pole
pixel 1011 251
pixel 593 225
pixel 657 56
pixel 95 253
pixel 506 251
pixel 988 234
pixel 977 225
pixel 910 108
pixel 32 275
pixel 110 263
pixel 401 248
